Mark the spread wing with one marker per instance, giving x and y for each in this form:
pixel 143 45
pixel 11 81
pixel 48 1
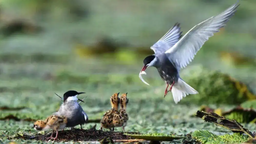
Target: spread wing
pixel 183 52
pixel 168 40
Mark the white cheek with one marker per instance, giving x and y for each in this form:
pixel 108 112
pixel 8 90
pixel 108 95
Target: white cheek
pixel 73 98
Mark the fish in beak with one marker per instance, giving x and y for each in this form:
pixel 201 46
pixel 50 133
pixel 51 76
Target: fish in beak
pixel 141 73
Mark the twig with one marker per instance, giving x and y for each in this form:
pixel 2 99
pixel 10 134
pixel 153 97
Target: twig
pixel 232 125
pixel 58 96
pixel 81 100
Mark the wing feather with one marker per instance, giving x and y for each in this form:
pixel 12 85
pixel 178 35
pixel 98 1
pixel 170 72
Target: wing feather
pixel 168 40
pixel 183 52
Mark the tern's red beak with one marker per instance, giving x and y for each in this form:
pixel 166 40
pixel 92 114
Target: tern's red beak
pixel 144 68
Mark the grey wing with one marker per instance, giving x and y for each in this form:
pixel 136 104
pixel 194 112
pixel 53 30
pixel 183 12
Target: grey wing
pixel 183 52
pixel 85 116
pixel 168 40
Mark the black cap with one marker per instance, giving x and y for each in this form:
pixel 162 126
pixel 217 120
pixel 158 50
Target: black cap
pixel 71 93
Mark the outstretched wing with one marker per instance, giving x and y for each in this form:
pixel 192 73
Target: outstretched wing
pixel 168 40
pixel 183 52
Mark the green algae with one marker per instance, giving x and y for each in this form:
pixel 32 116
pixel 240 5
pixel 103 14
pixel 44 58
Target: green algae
pixel 207 137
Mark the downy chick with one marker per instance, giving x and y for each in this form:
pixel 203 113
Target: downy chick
pixel 120 119
pixel 53 122
pixel 107 120
pixel 71 109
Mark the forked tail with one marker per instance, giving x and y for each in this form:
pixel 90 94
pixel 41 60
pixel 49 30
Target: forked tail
pixel 181 89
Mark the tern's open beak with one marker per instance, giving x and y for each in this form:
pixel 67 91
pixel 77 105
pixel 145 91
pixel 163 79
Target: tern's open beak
pixel 80 93
pixel 143 72
pixel 144 68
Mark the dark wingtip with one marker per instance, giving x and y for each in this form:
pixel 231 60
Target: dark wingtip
pixel 177 24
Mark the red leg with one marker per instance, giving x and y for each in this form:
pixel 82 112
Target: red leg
pixel 165 93
pixel 56 135
pixel 51 135
pixel 171 86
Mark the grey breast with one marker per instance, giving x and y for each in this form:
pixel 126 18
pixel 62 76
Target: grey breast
pixel 74 113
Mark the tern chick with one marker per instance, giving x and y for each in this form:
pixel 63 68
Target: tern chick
pixel 107 120
pixel 53 122
pixel 120 119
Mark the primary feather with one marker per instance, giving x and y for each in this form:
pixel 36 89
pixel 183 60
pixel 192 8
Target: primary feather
pixel 183 52
pixel 168 40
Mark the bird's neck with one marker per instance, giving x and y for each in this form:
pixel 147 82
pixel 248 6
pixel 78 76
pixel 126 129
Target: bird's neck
pixel 72 98
pixel 123 106
pixel 115 106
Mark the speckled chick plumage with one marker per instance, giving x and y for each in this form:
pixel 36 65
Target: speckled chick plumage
pixel 107 120
pixel 120 119
pixel 53 122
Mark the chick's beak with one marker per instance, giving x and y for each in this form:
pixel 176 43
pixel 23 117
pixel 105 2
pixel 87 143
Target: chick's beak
pixel 143 72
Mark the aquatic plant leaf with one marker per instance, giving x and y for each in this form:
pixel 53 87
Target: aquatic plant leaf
pixel 216 87
pixel 232 125
pixel 241 115
pixel 11 108
pixel 154 137
pixel 207 137
pixel 19 117
pixel 208 110
pixel 249 104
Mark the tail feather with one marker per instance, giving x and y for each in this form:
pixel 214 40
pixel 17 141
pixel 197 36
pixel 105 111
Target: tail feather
pixel 181 89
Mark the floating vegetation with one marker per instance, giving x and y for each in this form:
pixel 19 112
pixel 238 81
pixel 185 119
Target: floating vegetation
pixel 35 58
pixel 236 58
pixel 6 108
pixel 210 110
pixel 207 137
pixel 217 88
pixel 232 125
pixel 66 30
pixel 103 46
pixel 19 117
pixel 155 137
pixel 249 104
pixel 19 26
pixel 97 78
pixel 241 115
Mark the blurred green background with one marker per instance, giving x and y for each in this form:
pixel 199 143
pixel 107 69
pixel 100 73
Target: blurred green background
pixel 98 47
